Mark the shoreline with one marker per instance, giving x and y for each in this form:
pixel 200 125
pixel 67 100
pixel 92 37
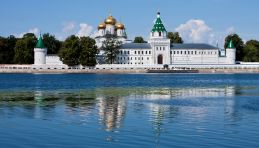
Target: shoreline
pixel 126 71
pixel 130 69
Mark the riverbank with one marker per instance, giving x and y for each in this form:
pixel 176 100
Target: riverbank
pixel 121 71
pixel 114 69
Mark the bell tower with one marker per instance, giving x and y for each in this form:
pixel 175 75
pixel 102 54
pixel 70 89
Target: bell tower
pixel 40 52
pixel 159 42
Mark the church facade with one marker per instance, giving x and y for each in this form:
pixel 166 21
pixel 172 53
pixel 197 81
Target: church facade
pixel 157 51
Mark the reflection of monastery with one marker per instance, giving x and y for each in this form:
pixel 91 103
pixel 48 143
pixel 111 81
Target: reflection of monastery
pixel 158 50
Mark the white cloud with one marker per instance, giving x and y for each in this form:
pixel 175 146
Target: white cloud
pixel 94 34
pixel 230 30
pixel 85 30
pixel 67 27
pixel 34 30
pixel 196 31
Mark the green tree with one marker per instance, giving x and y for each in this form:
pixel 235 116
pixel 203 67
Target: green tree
pixel 174 37
pixel 7 49
pixel 251 51
pixel 139 39
pixel 70 51
pixel 3 50
pixel 238 44
pixel 111 49
pixel 88 51
pixel 52 44
pixel 23 51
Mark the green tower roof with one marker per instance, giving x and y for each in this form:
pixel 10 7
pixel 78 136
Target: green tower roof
pixel 158 26
pixel 231 45
pixel 40 43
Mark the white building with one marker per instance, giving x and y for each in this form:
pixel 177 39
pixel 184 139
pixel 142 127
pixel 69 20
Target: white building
pixel 158 50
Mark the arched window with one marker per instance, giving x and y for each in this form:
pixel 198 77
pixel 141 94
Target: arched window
pixel 159 33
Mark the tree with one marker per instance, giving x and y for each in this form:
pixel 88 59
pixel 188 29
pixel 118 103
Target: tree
pixel 51 43
pixel 174 37
pixel 88 51
pixel 70 51
pixel 3 50
pixel 251 51
pixel 24 49
pixel 7 49
pixel 238 44
pixel 111 49
pixel 139 39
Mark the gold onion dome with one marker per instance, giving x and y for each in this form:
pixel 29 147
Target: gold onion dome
pixel 102 26
pixel 110 20
pixel 119 26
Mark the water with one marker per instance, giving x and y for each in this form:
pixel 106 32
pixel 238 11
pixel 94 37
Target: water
pixel 131 110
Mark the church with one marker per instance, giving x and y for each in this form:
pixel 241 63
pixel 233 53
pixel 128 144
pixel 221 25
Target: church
pixel 157 51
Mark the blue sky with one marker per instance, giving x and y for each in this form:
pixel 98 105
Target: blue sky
pixel 196 20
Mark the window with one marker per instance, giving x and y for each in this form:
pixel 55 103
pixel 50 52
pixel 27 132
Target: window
pixel 188 52
pixel 147 58
pixel 138 52
pixel 149 52
pixel 195 52
pixel 135 52
pixel 142 58
pixel 163 48
pixel 131 58
pixel 177 52
pixel 125 52
pixel 128 52
pixel 135 58
pixel 146 52
pixel 181 52
pixel 160 48
pixel 170 52
pixel 156 48
pixel 142 52
pixel 192 52
pixel 159 33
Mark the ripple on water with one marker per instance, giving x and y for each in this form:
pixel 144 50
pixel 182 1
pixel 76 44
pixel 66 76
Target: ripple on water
pixel 129 110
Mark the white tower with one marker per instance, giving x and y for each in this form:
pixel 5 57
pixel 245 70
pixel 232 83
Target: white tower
pixel 101 29
pixel 110 25
pixel 40 53
pixel 231 53
pixel 120 29
pixel 160 43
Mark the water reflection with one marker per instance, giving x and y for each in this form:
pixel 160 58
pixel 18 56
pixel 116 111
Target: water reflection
pixel 164 104
pixel 111 112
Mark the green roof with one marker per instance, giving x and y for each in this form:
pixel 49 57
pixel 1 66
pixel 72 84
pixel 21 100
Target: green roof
pixel 40 43
pixel 158 26
pixel 231 45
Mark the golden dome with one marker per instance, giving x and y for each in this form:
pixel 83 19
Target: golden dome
pixel 110 20
pixel 119 26
pixel 101 26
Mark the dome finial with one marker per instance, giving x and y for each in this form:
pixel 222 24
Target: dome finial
pixel 158 13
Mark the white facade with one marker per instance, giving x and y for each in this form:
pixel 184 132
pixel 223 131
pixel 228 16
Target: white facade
pixel 40 56
pixel 158 50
